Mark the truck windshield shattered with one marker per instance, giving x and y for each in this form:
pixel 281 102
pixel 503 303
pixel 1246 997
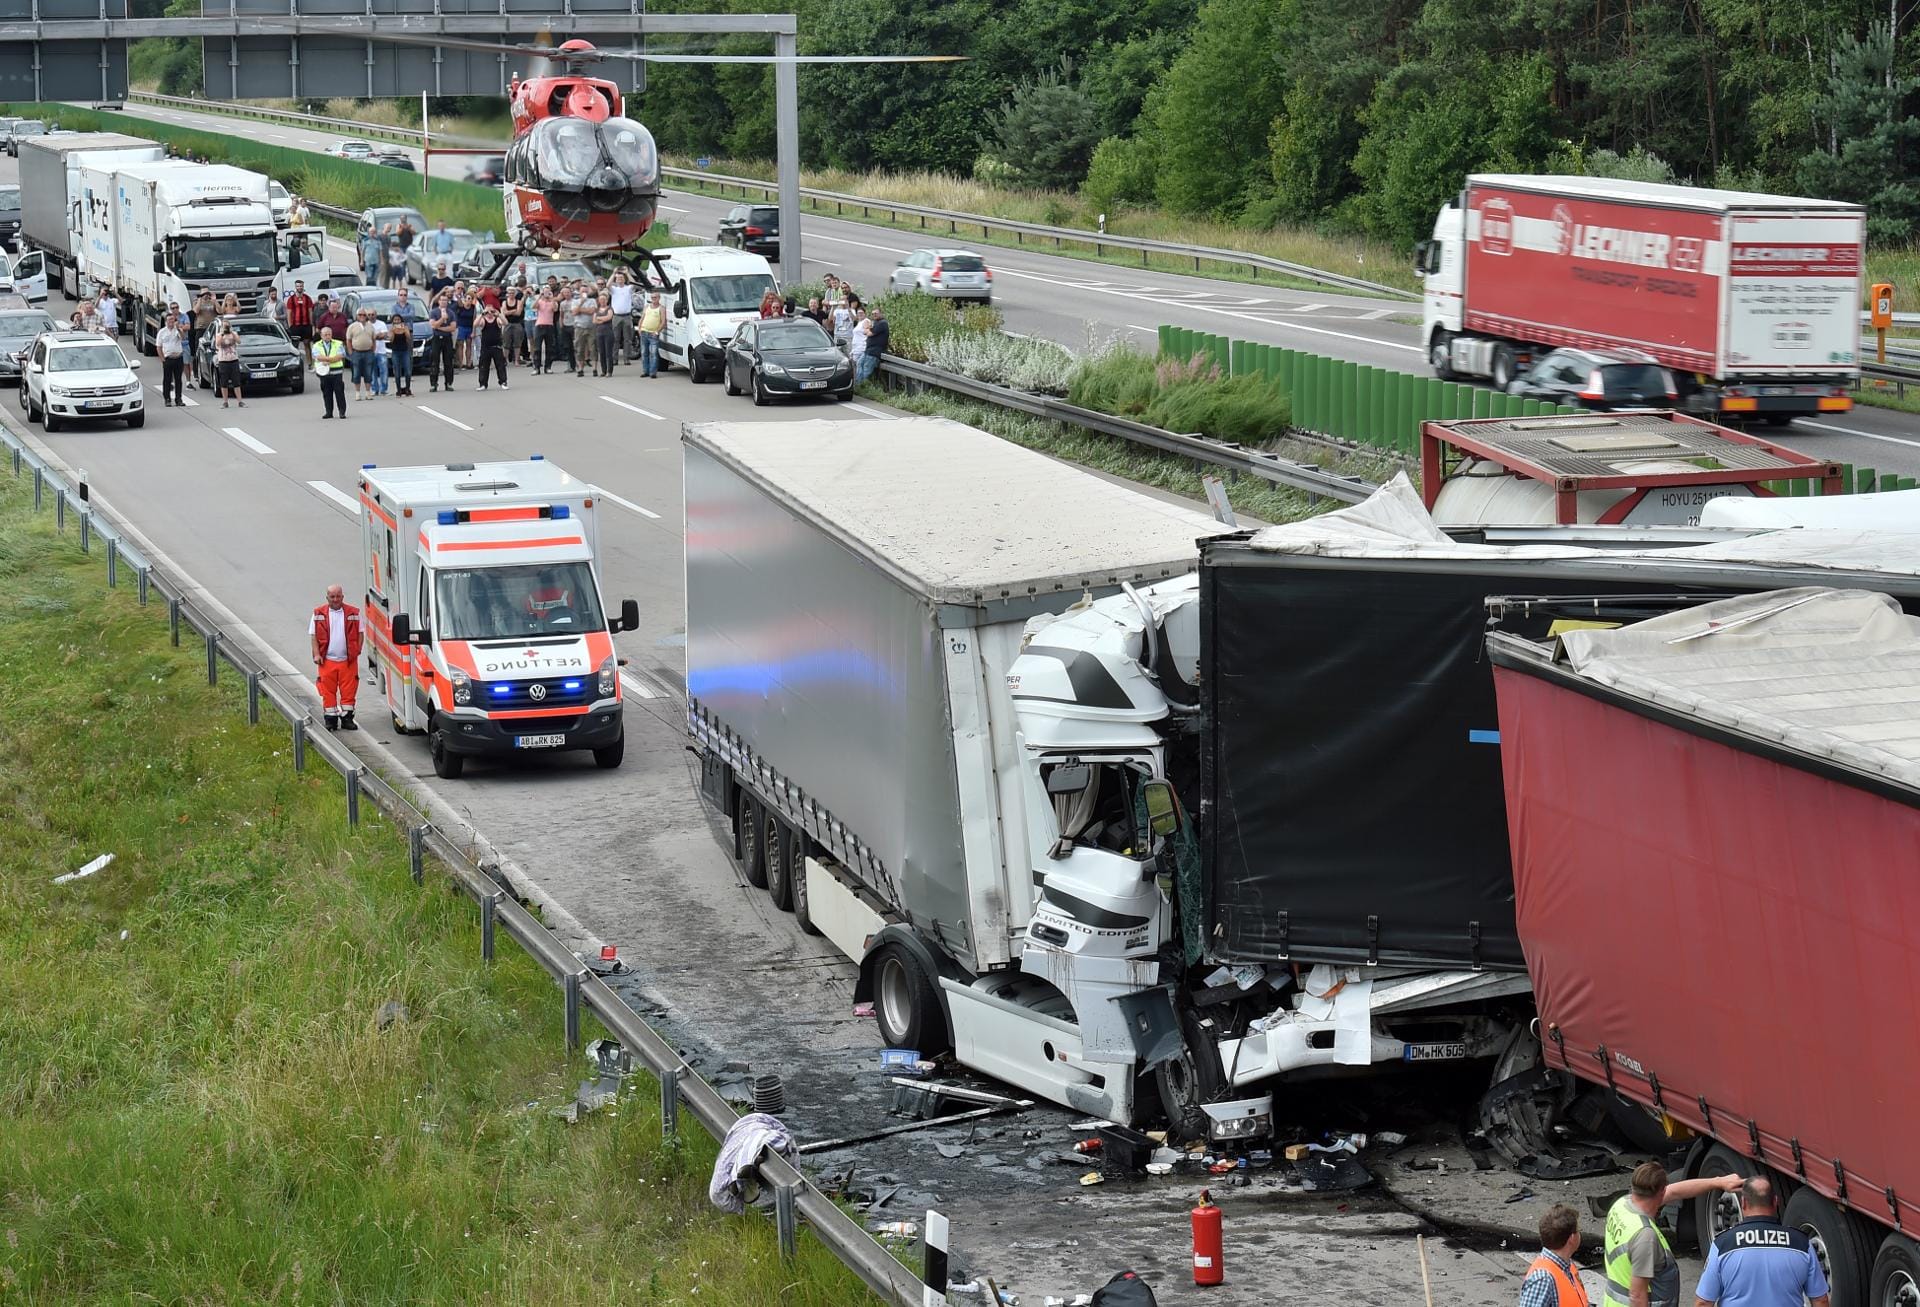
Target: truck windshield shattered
pixel 507 603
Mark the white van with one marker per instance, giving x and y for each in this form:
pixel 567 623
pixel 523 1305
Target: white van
pixel 709 291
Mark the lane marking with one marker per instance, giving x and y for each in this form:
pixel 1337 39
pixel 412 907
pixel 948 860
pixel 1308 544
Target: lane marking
pixel 1305 308
pixel 862 408
pixel 1864 435
pixel 669 208
pixel 629 504
pixel 1374 315
pixel 339 497
pixel 243 438
pixel 434 412
pixel 637 685
pixel 186 400
pixel 634 408
pixel 825 263
pixel 1151 331
pixel 1227 313
pixel 842 240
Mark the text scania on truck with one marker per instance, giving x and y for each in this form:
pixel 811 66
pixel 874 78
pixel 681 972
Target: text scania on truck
pixel 489 634
pixel 1752 300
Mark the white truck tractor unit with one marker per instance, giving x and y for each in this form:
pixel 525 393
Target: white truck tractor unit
pixel 943 687
pixel 485 625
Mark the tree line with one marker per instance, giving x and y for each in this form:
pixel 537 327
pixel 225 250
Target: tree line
pixel 1323 112
pixel 1348 117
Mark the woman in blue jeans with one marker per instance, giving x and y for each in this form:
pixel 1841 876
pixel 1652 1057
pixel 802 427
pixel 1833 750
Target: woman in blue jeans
pixel 400 354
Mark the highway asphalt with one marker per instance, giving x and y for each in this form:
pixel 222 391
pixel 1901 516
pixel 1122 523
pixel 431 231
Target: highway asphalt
pixel 1080 303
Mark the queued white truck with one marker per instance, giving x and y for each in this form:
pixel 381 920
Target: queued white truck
pixel 53 200
pixel 486 630
pixel 160 233
pixel 1101 794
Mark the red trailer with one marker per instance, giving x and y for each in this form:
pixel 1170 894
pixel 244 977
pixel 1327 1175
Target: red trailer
pixel 1753 300
pixel 1714 817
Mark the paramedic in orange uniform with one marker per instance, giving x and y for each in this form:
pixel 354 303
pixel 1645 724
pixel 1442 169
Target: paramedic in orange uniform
pixel 336 653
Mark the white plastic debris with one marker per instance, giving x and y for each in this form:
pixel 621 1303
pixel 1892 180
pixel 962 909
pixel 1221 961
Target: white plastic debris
pixel 97 864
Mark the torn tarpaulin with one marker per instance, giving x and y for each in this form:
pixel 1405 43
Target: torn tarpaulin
pixel 746 1139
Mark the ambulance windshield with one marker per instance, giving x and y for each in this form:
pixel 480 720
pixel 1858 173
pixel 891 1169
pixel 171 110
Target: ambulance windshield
pixel 512 603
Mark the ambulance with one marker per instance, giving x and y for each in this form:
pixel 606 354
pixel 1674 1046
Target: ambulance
pixel 487 630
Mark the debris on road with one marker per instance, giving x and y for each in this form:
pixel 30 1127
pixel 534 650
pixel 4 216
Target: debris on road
pixel 827 1145
pixel 98 864
pixel 734 1171
pixel 1092 1178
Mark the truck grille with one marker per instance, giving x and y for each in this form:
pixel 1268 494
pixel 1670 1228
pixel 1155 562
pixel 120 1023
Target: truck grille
pixel 553 693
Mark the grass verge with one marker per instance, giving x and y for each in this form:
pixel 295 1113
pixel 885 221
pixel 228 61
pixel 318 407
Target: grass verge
pixel 1251 496
pixel 201 1102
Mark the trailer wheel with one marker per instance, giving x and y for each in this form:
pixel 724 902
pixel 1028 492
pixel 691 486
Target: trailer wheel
pixel 779 858
pixel 1190 1078
pixel 746 826
pixel 1896 1273
pixel 1504 366
pixel 1842 1245
pixel 906 1004
pixel 797 860
pixel 1715 1212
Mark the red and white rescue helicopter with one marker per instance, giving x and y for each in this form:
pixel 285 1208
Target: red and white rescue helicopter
pixel 581 176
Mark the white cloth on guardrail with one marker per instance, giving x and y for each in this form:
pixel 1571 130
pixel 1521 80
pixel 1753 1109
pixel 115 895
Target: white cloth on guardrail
pixel 746 1139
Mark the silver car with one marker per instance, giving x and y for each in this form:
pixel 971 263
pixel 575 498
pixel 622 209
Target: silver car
pixel 947 274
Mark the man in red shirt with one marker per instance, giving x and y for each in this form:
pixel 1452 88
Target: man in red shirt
pixel 336 653
pixel 300 319
pixel 330 315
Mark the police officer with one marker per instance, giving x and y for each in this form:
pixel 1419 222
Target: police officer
pixel 1760 1262
pixel 1640 1268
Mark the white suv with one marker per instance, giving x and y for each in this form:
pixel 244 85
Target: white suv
pixel 79 376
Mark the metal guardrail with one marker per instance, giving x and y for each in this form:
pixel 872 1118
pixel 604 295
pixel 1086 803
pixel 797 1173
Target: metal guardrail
pixel 1235 458
pixel 680 1085
pixel 841 202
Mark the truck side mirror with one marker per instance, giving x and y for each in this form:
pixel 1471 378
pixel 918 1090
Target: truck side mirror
pixel 159 260
pixel 629 615
pixel 1163 809
pixel 679 310
pixel 402 629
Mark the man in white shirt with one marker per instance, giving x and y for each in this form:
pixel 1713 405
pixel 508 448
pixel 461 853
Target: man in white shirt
pixel 620 296
pixel 109 314
pixel 171 344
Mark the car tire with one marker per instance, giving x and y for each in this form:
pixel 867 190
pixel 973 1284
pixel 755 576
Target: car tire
pixel 447 764
pixel 137 421
pixel 609 758
pixel 760 397
pixel 779 854
pixel 299 386
pixel 726 376
pixel 906 1002
pixel 51 422
pixel 746 833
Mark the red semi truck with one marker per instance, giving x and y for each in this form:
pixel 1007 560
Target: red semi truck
pixel 1714 816
pixel 1752 301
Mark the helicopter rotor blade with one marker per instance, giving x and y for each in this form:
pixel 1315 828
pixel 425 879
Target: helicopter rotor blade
pixel 657 57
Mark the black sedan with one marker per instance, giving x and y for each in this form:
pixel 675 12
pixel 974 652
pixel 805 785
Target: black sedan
pixel 267 357
pixel 754 228
pixel 786 356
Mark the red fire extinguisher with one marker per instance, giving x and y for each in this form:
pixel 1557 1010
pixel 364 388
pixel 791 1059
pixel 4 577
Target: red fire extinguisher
pixel 1208 1264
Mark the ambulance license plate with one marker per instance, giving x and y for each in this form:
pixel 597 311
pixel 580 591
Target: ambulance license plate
pixel 1450 1051
pixel 554 742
